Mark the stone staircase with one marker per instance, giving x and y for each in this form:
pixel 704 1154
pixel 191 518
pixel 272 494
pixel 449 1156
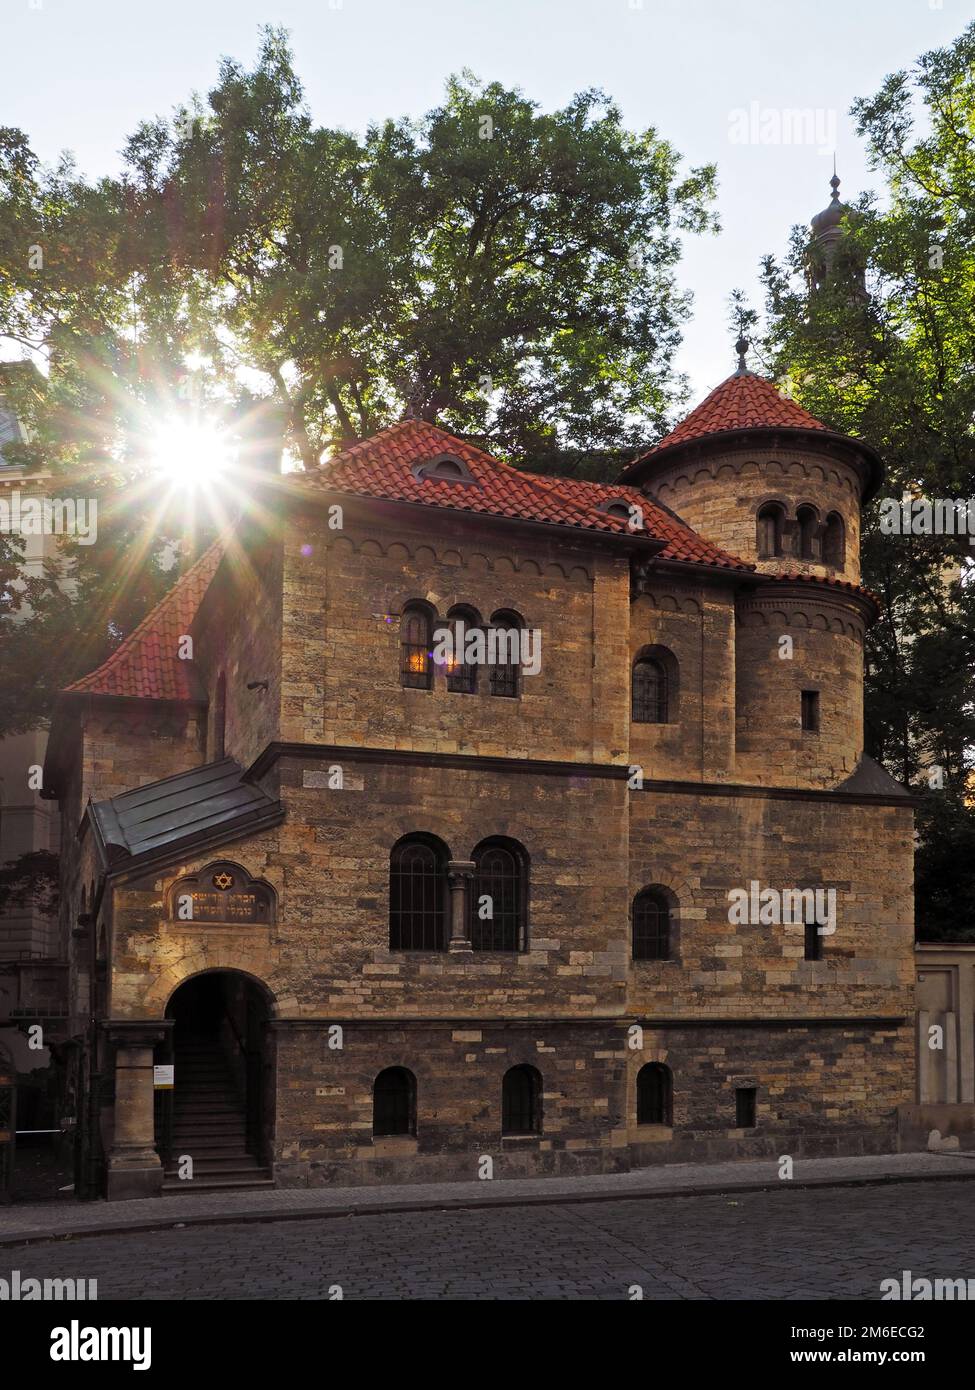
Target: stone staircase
pixel 209 1122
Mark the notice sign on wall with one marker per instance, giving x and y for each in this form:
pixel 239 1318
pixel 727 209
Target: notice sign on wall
pixel 163 1078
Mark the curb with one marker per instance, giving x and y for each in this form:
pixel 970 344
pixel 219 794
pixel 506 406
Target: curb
pixel 269 1215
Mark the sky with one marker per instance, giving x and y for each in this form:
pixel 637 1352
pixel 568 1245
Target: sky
pixel 708 75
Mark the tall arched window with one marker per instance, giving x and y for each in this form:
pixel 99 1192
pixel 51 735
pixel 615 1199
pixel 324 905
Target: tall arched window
pixel 834 541
pixel 769 531
pixel 220 719
pixel 650 691
pixel 418 894
pixel 651 925
pixel 499 897
pixel 504 644
pixel 654 1095
pixel 462 675
pixel 394 1102
pixel 521 1101
pixel 808 528
pixel 416 665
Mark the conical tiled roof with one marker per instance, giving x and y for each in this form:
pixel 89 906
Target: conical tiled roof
pixel 742 402
pixel 745 402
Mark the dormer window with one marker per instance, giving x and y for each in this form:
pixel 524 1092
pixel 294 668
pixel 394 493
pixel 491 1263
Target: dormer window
pixel 445 468
pixel 619 508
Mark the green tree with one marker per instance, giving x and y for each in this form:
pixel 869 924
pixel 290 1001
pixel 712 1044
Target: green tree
pixel 885 349
pixel 508 271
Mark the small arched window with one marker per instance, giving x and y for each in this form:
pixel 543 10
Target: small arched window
pixel 834 541
pixel 521 1101
pixel 394 1102
pixel 769 531
pixel 504 650
pixel 418 892
pixel 462 674
pixel 654 1095
pixel 654 687
pixel 499 900
pixel 220 719
pixel 651 925
pixel 416 664
pixel 808 533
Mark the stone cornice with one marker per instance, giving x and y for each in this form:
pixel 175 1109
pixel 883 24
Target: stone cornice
pixel 627 1020
pixel 541 767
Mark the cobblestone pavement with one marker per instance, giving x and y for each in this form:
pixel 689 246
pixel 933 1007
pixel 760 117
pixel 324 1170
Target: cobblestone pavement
pixel 837 1243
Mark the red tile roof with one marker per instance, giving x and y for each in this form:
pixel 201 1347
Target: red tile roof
pixel 146 665
pixel 745 402
pixel 682 543
pixel 383 466
pixel 823 579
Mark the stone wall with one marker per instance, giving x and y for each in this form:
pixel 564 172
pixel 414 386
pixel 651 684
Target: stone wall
pixel 237 632
pixel 823 653
pixel 821 1090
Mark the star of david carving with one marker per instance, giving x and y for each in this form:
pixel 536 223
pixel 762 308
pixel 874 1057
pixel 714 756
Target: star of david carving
pixel 223 880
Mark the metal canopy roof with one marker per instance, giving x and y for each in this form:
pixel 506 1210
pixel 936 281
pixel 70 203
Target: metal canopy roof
pixel 206 803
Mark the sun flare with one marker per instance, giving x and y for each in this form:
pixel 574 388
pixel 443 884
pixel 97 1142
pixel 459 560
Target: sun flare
pixel 191 453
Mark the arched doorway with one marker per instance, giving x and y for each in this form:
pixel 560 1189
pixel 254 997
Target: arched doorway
pixel 220 1112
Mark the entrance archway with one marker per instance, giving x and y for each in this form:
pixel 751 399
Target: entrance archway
pixel 220 1111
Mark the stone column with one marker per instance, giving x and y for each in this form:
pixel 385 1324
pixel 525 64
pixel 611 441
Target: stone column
pixel 134 1167
pixel 460 874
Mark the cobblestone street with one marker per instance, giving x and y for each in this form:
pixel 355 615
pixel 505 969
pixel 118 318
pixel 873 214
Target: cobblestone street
pixel 827 1244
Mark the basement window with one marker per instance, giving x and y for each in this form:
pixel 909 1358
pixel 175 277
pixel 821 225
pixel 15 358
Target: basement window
pixel 813 941
pixel 810 711
pixel 745 1097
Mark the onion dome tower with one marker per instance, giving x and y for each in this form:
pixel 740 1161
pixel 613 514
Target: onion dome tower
pixel 829 231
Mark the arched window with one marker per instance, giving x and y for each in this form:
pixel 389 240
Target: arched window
pixel 808 528
pixel 654 1095
pixel 418 894
pixel 504 642
pixel 220 719
pixel 462 675
pixel 651 925
pixel 499 897
pixel 416 665
pixel 834 542
pixel 655 682
pixel 394 1102
pixel 769 531
pixel 521 1101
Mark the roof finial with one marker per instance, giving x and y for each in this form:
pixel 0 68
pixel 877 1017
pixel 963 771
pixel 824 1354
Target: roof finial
pixel 834 183
pixel 741 347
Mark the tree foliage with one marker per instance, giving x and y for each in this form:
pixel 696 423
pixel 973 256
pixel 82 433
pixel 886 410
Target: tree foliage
pixel 508 271
pixel 891 358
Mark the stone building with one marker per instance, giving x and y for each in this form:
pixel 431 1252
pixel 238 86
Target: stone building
pixel 392 911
